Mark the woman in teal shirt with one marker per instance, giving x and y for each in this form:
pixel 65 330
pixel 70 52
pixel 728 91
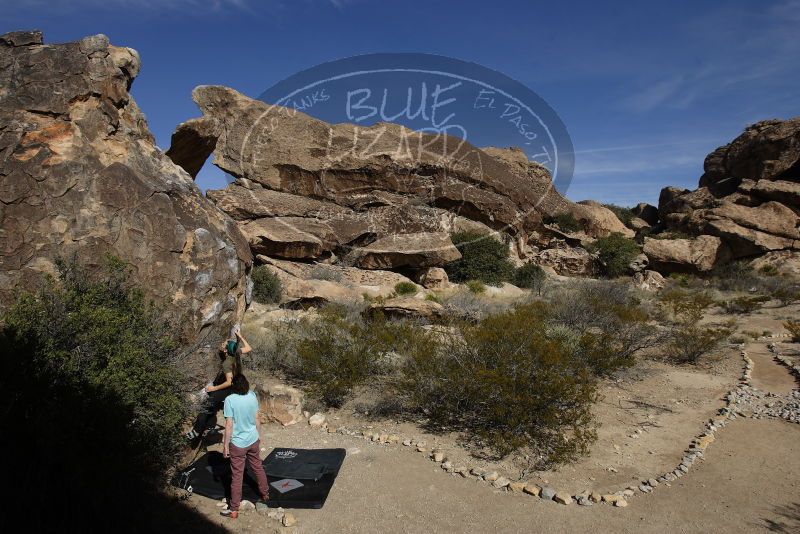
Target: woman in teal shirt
pixel 241 441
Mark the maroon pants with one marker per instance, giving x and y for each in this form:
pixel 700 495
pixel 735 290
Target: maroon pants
pixel 240 456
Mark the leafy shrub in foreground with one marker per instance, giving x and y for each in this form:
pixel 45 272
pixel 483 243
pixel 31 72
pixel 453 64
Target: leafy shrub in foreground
pixel 615 253
pixel 687 339
pixel 508 384
pixel 482 258
pixel 86 361
pixel 266 285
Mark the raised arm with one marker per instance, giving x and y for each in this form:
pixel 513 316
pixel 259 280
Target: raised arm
pixel 245 346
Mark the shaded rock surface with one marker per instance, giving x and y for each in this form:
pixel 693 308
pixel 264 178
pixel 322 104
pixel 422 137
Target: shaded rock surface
pixel 80 175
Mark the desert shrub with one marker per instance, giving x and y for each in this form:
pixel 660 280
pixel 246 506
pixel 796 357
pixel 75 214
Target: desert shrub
pixel 405 288
pixel 738 340
pixel 433 297
pixel 670 234
pixel 508 384
pixel 609 317
pixel 482 258
pixel 689 341
pixel 530 276
pixel 684 303
pixel 476 286
pixel 625 215
pixel 794 329
pixel 465 304
pixel 783 289
pixel 742 305
pixel 768 270
pixel 266 285
pixel 686 280
pixel 89 363
pixel 733 276
pixel 326 272
pixel 336 354
pixel 615 253
pixel 566 222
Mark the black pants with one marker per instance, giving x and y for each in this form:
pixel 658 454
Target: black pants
pixel 208 413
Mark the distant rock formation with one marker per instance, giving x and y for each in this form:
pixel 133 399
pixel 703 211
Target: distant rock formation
pixel 80 176
pixel 377 197
pixel 748 197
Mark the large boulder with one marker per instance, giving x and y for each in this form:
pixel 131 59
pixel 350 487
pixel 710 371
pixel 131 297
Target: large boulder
pixel 566 261
pixel 279 402
pixel 358 185
pixel 599 221
pixel 647 212
pixel 407 250
pixel 749 195
pixel 767 150
pixel 406 308
pixel 80 176
pixel 700 254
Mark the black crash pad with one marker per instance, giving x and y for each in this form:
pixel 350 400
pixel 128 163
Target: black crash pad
pixel 314 469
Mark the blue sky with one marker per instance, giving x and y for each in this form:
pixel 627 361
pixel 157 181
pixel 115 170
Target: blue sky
pixel 646 89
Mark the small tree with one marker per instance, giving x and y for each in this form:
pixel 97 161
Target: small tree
pixel 267 287
pixel 530 276
pixel 615 253
pixel 482 258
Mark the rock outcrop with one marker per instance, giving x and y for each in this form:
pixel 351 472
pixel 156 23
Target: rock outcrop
pixel 80 177
pixel 700 254
pixel 378 197
pixel 749 195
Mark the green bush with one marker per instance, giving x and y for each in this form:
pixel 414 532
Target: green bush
pixel 615 253
pixel 794 329
pixel 768 270
pixel 625 215
pixel 405 288
pixel 267 287
pixel 508 384
pixel 336 355
pixel 689 341
pixel 609 317
pixel 566 222
pixel 89 379
pixel 741 305
pixel 482 258
pixel 530 276
pixel 476 286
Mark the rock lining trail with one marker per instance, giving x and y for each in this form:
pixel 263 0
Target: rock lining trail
pixel 744 482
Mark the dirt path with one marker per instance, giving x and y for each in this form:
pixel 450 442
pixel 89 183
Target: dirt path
pixel 768 375
pixel 748 482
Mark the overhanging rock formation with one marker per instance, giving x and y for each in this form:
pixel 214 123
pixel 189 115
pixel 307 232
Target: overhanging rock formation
pixel 309 190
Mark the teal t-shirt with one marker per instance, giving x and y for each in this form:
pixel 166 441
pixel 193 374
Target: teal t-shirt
pixel 243 409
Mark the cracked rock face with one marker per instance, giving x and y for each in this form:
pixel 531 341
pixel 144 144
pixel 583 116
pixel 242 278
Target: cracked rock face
pixel 80 176
pixel 309 190
pixel 749 195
